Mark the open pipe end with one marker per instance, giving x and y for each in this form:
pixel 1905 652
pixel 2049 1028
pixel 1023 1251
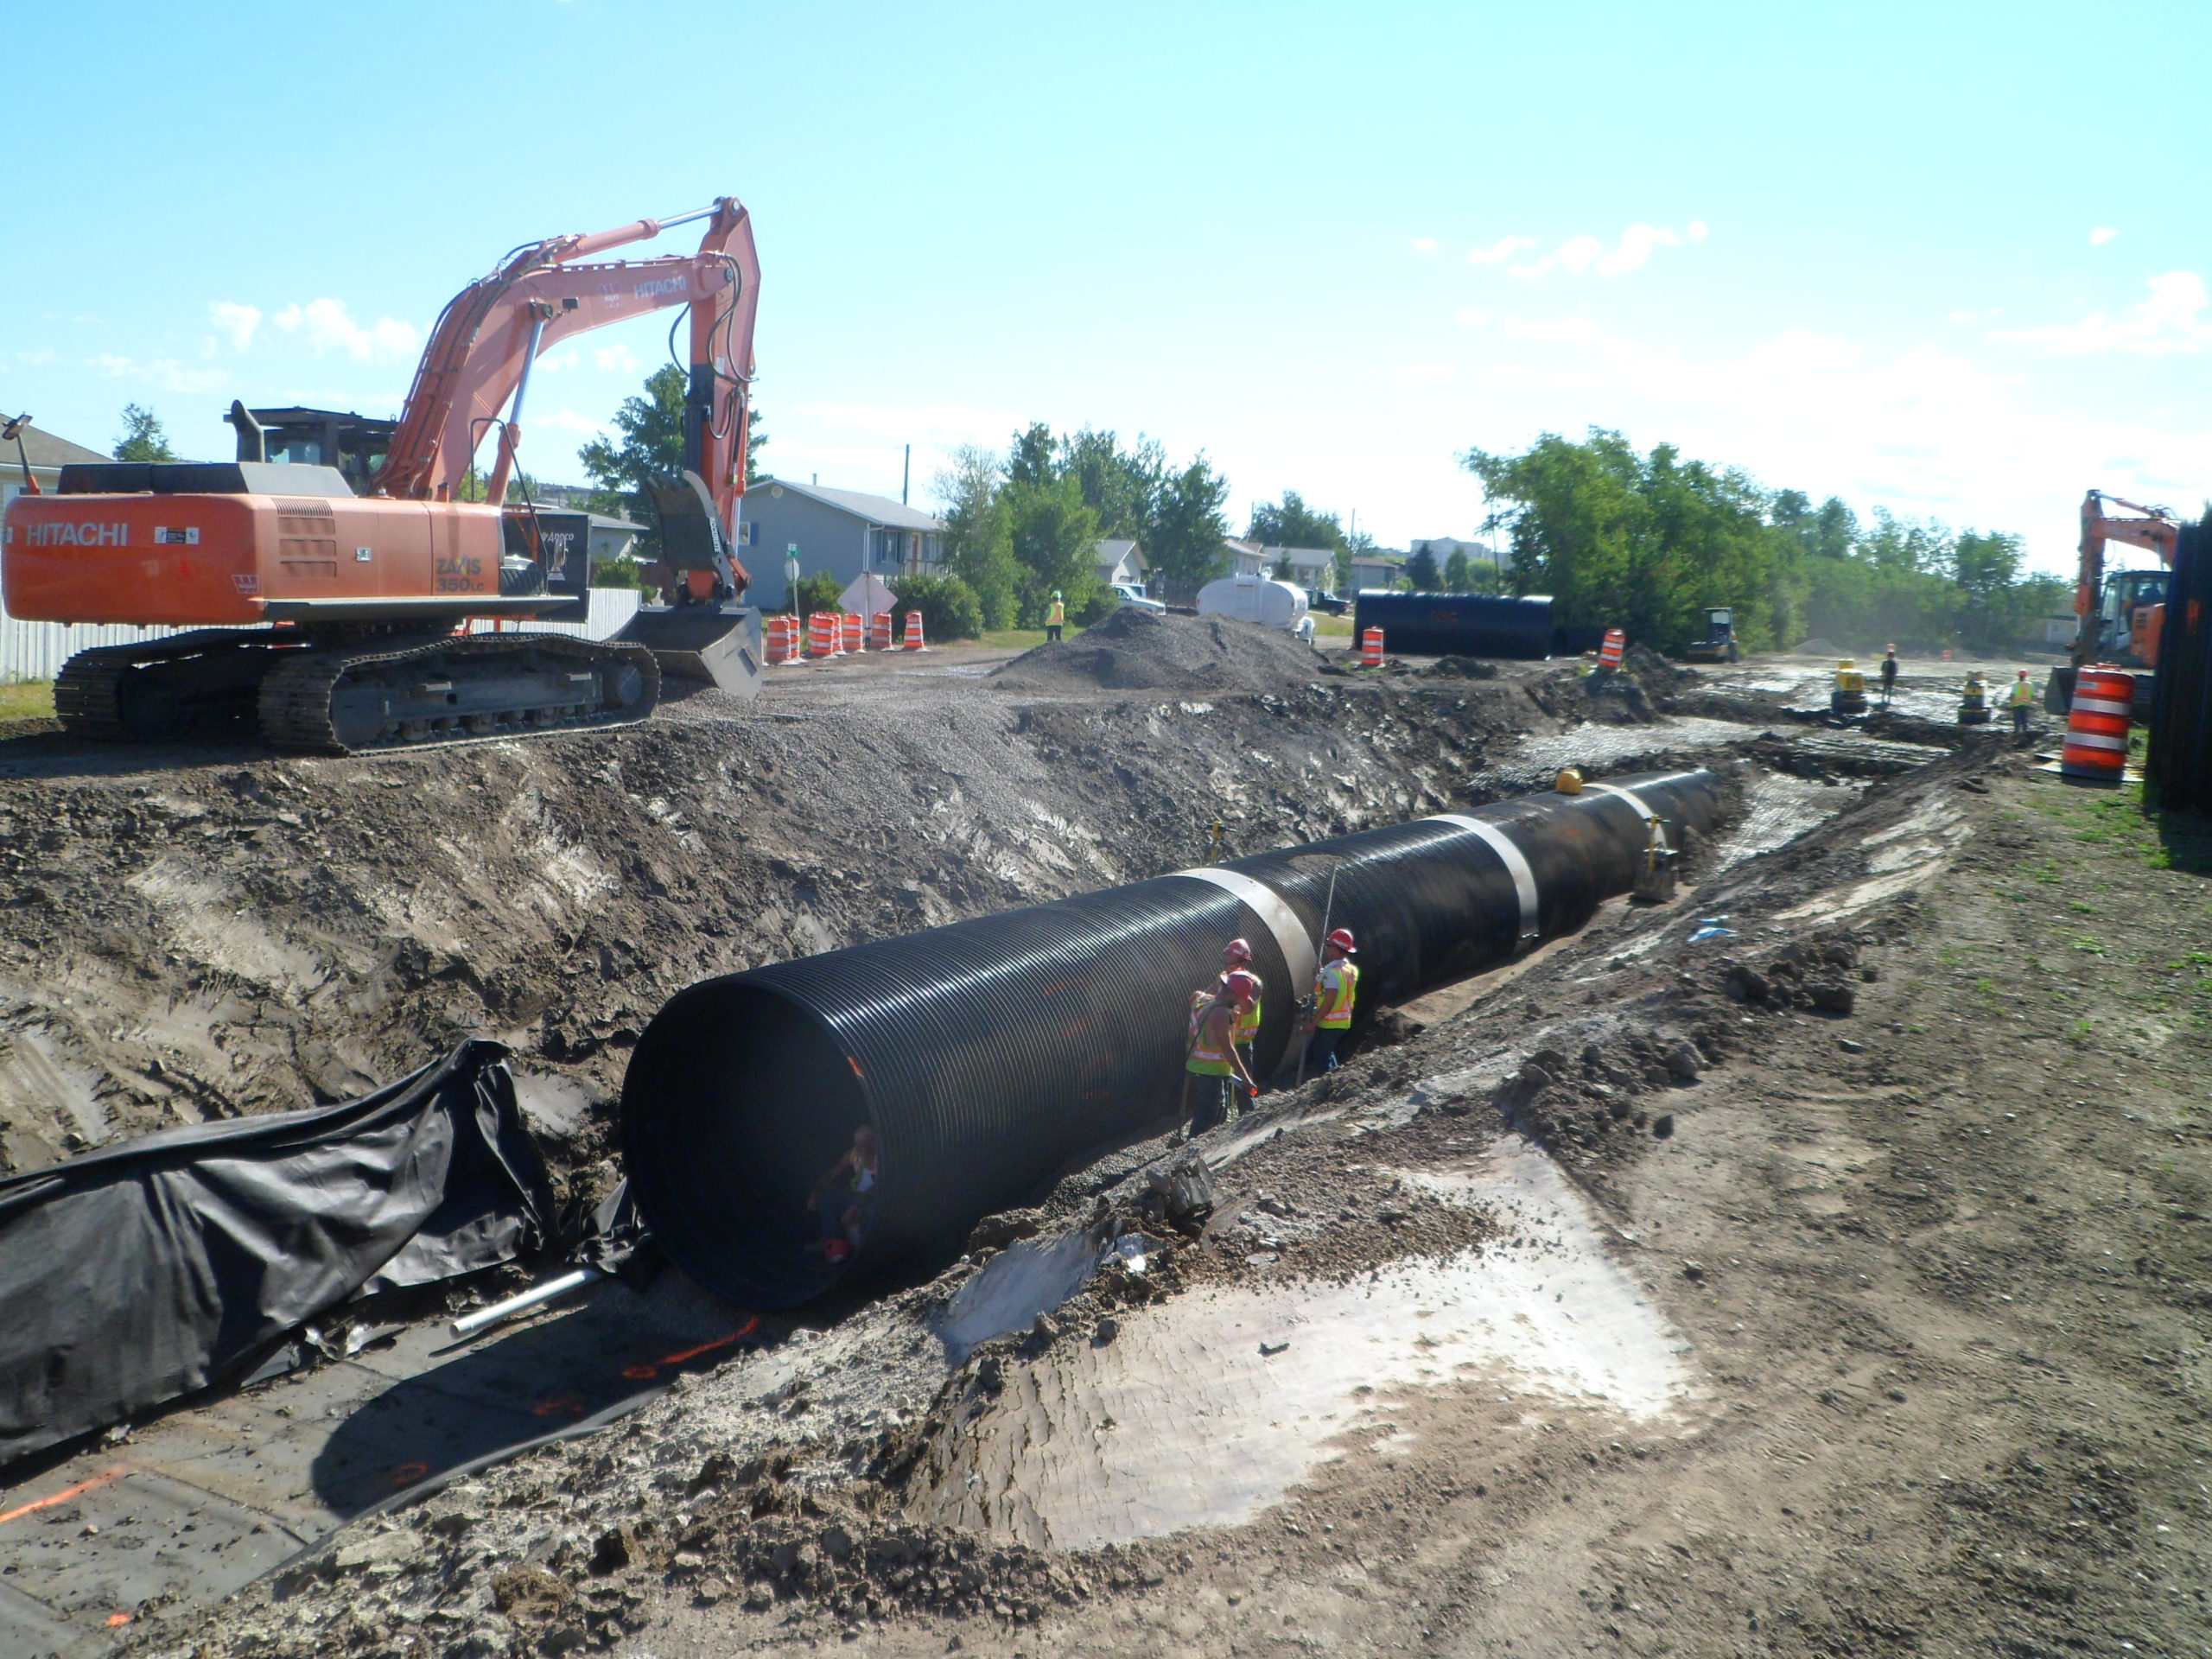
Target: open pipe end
pixel 737 1104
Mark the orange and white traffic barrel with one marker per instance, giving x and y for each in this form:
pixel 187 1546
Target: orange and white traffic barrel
pixel 850 627
pixel 1370 648
pixel 879 631
pixel 1615 647
pixel 2096 751
pixel 822 635
pixel 782 640
pixel 913 640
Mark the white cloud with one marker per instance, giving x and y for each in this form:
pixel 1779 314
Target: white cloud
pixel 235 322
pixel 1424 245
pixel 2172 319
pixel 617 356
pixel 1415 373
pixel 1577 252
pixel 43 354
pixel 2101 235
pixel 567 420
pixel 554 362
pixel 1500 250
pixel 164 373
pixel 327 325
pixel 1473 318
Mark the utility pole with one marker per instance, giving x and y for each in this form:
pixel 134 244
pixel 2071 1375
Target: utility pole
pixel 905 475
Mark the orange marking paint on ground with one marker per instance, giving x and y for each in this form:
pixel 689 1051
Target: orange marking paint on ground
pixel 114 1619
pixel 66 1493
pixel 641 1373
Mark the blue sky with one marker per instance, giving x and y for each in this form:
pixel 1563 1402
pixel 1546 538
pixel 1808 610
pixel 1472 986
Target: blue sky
pixel 1945 258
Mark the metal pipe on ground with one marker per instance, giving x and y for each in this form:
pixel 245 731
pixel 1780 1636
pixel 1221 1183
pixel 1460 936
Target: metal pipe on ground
pixel 1456 624
pixel 988 1054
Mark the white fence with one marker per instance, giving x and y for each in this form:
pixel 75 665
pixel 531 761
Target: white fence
pixel 36 651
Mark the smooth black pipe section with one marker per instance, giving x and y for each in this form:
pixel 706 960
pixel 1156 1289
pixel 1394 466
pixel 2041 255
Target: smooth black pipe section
pixel 1456 625
pixel 987 1054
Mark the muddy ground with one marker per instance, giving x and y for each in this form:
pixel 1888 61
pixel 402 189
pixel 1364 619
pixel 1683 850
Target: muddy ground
pixel 1816 1265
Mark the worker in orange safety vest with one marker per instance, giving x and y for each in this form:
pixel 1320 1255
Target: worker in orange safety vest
pixel 1336 988
pixel 1239 955
pixel 1211 1056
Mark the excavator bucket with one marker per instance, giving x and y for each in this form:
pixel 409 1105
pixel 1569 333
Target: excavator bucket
pixel 720 642
pixel 712 637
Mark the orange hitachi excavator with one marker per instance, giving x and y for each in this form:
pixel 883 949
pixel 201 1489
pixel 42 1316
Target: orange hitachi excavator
pixel 330 617
pixel 2122 615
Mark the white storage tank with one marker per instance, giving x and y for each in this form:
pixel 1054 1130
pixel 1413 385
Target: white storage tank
pixel 1258 599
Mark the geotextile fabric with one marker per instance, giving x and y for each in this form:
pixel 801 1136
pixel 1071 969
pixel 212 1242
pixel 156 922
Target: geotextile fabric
pixel 130 1276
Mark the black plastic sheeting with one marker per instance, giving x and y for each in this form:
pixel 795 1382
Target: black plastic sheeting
pixel 2178 770
pixel 992 1054
pixel 131 1276
pixel 1456 625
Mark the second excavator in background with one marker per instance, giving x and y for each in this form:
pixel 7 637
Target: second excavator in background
pixel 328 613
pixel 2121 615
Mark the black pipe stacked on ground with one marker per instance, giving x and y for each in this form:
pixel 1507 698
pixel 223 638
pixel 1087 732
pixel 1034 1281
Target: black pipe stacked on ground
pixel 1456 624
pixel 991 1053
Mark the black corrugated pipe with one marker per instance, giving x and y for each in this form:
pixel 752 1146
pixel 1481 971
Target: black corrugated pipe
pixel 1456 625
pixel 989 1053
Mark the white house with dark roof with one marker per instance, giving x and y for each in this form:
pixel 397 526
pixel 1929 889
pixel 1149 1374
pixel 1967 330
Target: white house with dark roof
pixel 1120 560
pixel 847 533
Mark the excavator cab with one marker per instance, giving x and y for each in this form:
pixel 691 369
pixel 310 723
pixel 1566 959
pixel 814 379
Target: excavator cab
pixel 702 633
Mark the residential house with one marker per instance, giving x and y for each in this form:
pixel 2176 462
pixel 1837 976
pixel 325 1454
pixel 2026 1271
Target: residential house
pixel 1442 547
pixel 1122 562
pixel 1245 558
pixel 47 455
pixel 845 532
pixel 1314 569
pixel 1379 567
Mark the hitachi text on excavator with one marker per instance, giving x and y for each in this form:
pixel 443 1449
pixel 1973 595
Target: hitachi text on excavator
pixel 329 615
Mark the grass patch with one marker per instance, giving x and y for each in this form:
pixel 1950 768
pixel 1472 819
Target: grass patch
pixel 1339 626
pixel 26 700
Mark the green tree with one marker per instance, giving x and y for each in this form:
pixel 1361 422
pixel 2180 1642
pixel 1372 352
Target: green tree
pixel 651 428
pixel 1183 540
pixel 143 437
pixel 1421 572
pixel 1291 523
pixel 1983 564
pixel 1121 486
pixel 949 606
pixel 819 592
pixel 1459 572
pixel 1055 537
pixel 978 535
pixel 1033 458
pixel 1642 543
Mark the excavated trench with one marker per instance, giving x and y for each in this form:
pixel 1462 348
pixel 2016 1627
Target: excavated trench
pixel 227 933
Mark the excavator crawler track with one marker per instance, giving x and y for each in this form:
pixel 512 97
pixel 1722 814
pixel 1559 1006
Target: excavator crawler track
pixel 188 685
pixel 414 692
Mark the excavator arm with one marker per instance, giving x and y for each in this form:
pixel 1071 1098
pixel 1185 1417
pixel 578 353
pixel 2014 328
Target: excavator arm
pixel 2156 530
pixel 479 358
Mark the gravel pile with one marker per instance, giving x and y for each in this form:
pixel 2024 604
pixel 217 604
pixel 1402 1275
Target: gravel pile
pixel 1135 650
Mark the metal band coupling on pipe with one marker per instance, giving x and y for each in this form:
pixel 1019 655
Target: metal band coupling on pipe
pixel 1516 862
pixel 1291 938
pixel 988 1056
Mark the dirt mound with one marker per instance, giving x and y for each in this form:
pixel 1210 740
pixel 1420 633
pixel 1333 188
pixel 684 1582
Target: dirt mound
pixel 1135 650
pixel 1817 647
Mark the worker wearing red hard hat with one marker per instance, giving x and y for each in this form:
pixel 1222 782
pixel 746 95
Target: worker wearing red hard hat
pixel 1211 1055
pixel 1336 988
pixel 1239 955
